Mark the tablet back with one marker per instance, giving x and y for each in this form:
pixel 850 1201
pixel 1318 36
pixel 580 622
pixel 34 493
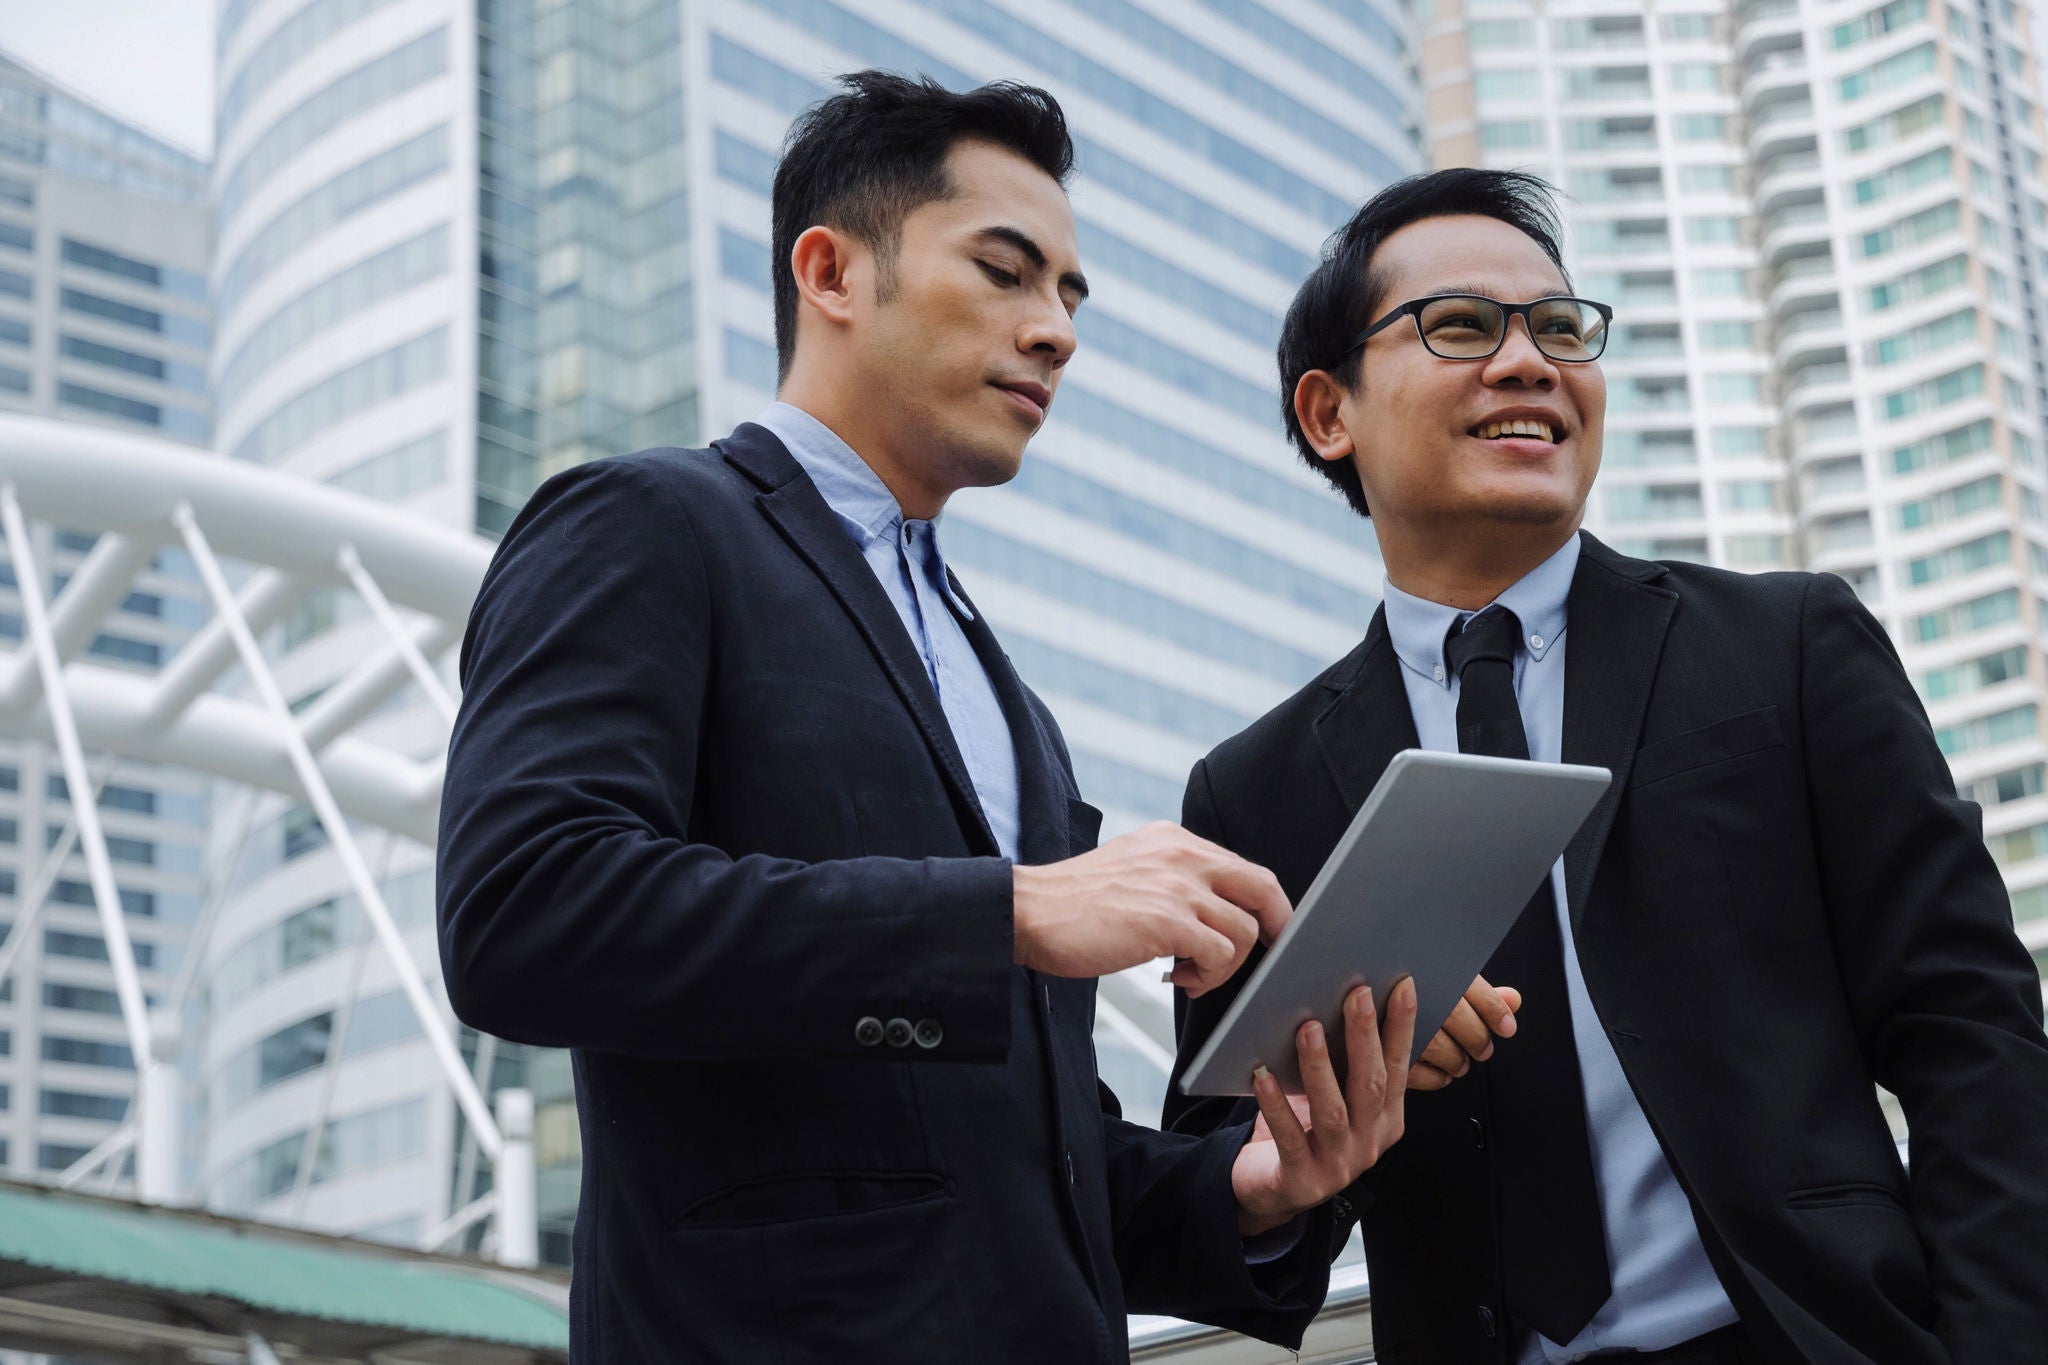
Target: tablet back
pixel 1426 882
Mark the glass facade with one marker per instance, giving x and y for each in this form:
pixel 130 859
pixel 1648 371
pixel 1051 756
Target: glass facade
pixel 585 300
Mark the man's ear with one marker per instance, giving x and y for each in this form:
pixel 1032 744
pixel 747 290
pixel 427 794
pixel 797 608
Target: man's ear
pixel 1318 406
pixel 824 260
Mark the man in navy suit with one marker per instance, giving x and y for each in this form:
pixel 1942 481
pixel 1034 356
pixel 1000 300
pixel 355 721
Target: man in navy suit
pixel 746 806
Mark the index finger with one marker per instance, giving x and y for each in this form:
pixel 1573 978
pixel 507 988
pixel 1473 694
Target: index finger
pixel 1255 890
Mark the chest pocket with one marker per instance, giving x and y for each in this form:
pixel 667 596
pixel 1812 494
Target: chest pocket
pixel 1739 735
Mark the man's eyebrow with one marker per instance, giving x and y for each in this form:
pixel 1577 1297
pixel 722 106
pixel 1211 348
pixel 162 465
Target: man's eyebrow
pixel 1072 279
pixel 1486 291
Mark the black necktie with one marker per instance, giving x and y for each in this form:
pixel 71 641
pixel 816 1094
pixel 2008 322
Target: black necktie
pixel 1553 1251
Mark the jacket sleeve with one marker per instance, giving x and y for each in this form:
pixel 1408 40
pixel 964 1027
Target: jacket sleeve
pixel 1945 1001
pixel 576 909
pixel 1173 1216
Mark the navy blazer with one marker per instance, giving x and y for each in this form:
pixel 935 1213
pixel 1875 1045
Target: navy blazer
pixel 703 819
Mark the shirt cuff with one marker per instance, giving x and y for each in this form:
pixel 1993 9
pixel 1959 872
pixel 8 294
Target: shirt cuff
pixel 1263 1248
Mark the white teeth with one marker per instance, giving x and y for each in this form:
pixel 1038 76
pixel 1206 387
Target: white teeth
pixel 1521 426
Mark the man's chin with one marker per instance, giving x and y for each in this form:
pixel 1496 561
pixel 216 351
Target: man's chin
pixel 1528 507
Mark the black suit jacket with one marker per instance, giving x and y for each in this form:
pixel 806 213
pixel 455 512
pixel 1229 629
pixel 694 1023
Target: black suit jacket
pixel 703 816
pixel 1779 905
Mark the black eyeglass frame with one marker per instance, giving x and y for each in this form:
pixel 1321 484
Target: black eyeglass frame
pixel 1509 311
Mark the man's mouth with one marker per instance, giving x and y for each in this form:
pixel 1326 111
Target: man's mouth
pixel 1030 398
pixel 1519 427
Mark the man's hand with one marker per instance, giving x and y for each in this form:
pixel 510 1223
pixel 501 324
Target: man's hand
pixel 1487 1012
pixel 1155 892
pixel 1286 1168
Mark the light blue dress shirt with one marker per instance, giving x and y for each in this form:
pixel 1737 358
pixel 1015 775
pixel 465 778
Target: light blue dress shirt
pixel 905 557
pixel 1665 1292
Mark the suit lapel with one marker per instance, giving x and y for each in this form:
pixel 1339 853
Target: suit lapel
pixel 1370 721
pixel 1617 617
pixel 1042 813
pixel 792 502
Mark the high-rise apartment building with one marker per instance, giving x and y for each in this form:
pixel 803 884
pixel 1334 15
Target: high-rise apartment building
pixel 462 244
pixel 104 320
pixel 1821 223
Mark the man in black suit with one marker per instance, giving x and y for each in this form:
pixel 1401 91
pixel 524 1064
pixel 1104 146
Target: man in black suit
pixel 1779 906
pixel 746 806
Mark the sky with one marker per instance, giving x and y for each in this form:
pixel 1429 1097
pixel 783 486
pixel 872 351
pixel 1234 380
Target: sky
pixel 148 61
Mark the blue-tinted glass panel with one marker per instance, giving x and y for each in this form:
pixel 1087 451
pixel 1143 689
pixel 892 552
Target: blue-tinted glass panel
pixel 750 361
pixel 743 163
pixel 363 185
pixel 349 96
pixel 335 299
pixel 310 26
pixel 183 283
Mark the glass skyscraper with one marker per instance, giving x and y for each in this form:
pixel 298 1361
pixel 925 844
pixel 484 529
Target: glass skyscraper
pixel 462 244
pixel 103 320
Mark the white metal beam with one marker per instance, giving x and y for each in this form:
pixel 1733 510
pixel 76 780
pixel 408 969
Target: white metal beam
pixel 74 474
pixel 364 688
pixel 401 639
pixel 321 797
pixel 31 907
pixel 209 652
pixel 100 869
pixel 100 585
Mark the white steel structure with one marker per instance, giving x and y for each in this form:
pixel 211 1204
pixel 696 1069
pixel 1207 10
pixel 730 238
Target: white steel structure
pixel 104 236
pixel 1822 223
pixel 461 244
pixel 285 537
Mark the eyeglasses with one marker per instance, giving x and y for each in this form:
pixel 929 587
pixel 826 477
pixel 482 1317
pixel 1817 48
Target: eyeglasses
pixel 1472 326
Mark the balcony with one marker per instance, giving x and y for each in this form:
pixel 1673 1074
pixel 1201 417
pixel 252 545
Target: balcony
pixel 1808 337
pixel 1835 535
pixel 1833 486
pixel 1765 25
pixel 1807 279
pixel 1794 231
pixel 1794 174
pixel 1777 77
pixel 1824 432
pixel 1827 372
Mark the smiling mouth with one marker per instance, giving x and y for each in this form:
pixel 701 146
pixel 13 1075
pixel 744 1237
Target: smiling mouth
pixel 1522 427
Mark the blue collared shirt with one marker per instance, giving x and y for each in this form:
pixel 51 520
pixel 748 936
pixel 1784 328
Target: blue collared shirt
pixel 1665 1291
pixel 905 557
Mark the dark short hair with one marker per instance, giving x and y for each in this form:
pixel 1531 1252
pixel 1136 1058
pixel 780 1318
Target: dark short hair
pixel 1342 294
pixel 860 161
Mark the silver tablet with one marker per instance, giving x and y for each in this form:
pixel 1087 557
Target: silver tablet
pixel 1426 882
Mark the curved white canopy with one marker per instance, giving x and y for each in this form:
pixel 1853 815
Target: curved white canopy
pixel 300 535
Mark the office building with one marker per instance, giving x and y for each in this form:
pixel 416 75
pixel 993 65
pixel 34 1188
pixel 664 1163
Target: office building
pixel 1822 227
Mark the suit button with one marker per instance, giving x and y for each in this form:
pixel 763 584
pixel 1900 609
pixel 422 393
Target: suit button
pixel 1341 1207
pixel 1478 1134
pixel 898 1033
pixel 868 1031
pixel 1486 1321
pixel 928 1034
